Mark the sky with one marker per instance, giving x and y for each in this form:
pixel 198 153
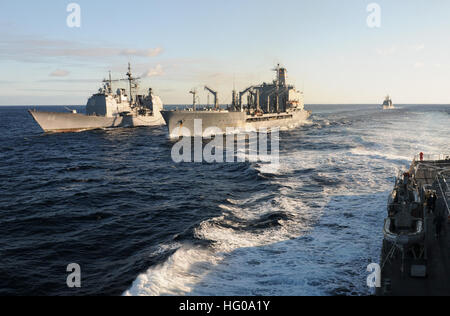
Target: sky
pixel 330 51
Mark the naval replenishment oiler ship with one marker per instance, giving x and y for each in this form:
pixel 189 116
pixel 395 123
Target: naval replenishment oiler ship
pixel 107 109
pixel 270 105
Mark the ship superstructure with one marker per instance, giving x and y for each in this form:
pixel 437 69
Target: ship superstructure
pixel 269 105
pixel 275 97
pixel 107 108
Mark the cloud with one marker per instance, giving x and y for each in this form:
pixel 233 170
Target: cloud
pixel 154 72
pixel 419 47
pixel 152 52
pixel 60 73
pixel 36 49
pixel 387 51
pixel 69 81
pixel 419 65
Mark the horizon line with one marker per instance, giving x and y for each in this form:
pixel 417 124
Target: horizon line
pixel 375 104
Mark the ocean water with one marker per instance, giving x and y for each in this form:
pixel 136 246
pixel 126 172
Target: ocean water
pixel 113 202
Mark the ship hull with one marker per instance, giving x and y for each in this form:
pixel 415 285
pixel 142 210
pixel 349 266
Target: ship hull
pixel 182 123
pixel 54 122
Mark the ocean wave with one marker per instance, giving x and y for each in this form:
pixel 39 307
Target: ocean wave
pixel 115 202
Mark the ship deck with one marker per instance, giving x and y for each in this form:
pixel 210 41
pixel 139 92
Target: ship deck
pixel 436 252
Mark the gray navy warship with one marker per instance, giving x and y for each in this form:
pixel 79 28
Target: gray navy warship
pixel 388 104
pixel 270 105
pixel 415 254
pixel 107 109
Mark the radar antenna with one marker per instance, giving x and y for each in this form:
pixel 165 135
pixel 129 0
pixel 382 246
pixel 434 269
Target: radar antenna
pixel 132 82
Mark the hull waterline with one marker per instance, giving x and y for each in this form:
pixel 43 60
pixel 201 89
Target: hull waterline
pixel 54 122
pixel 205 123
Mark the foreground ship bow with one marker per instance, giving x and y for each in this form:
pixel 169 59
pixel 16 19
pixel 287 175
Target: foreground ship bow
pixel 106 109
pixel 273 105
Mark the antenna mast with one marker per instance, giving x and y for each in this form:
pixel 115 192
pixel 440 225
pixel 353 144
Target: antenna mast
pixel 110 82
pixel 130 79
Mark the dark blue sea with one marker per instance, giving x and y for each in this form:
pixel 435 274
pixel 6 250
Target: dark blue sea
pixel 114 202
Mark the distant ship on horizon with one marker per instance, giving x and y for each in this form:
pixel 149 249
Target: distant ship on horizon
pixel 107 109
pixel 388 104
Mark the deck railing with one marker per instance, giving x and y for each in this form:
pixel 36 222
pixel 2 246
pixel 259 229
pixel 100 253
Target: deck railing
pixel 433 157
pixel 443 186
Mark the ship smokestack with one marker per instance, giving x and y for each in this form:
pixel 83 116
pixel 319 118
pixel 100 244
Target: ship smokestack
pixel 282 74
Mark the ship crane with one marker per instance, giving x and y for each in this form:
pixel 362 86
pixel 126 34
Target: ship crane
pixel 254 99
pixel 277 94
pixel 241 95
pixel 216 97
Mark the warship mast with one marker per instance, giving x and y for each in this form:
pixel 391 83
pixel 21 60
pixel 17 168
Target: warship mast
pixel 110 83
pixel 130 80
